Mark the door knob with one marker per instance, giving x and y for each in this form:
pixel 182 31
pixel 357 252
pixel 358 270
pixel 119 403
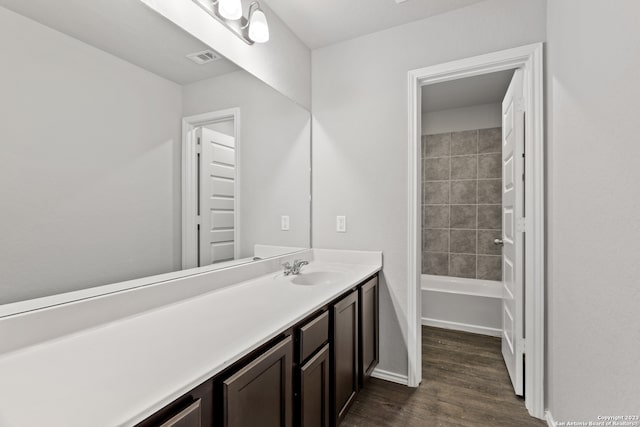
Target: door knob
pixel 498 242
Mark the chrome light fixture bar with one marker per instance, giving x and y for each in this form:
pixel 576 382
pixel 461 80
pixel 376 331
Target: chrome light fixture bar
pixel 253 29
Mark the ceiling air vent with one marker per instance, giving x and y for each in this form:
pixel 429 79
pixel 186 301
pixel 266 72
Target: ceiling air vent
pixel 203 57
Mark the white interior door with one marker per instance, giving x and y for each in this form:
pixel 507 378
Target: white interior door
pixel 217 202
pixel 513 228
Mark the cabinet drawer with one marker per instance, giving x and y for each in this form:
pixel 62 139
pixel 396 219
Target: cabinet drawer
pixel 314 335
pixel 189 417
pixel 194 409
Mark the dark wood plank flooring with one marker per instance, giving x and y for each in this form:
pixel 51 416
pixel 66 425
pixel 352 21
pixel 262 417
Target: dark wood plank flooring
pixel 466 384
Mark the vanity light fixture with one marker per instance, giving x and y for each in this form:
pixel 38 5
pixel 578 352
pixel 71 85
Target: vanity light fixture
pixel 253 28
pixel 258 26
pixel 230 9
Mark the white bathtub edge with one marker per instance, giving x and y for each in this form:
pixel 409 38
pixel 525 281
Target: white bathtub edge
pixel 462 304
pixel 461 286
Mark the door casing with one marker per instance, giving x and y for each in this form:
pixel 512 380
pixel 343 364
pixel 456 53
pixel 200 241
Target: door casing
pixel 529 58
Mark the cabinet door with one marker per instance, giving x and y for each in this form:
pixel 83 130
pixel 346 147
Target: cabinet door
pixel 314 390
pixel 345 354
pixel 260 394
pixel 369 324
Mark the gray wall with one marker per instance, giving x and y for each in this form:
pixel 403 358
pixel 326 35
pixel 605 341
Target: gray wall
pixel 466 118
pixel 98 201
pixel 360 135
pixel 274 156
pixel 461 204
pixel 593 237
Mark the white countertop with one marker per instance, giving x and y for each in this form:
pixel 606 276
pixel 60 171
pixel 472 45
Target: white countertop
pixel 123 371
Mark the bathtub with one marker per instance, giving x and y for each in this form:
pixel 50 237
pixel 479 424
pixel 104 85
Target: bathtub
pixel 470 305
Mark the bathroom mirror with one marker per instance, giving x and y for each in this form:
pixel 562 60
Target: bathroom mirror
pixel 129 149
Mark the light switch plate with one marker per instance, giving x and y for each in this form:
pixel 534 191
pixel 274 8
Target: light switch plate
pixel 284 222
pixel 341 224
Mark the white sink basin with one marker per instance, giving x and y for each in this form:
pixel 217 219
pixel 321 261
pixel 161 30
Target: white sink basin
pixel 315 278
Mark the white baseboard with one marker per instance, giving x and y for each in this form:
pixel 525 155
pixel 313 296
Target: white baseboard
pixel 550 421
pixel 475 329
pixel 390 376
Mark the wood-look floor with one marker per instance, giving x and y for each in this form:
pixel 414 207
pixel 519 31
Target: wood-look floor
pixel 465 384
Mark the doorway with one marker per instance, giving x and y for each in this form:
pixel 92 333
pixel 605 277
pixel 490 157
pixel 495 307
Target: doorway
pixel 211 183
pixel 523 312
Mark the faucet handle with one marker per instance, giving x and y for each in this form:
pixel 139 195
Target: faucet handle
pixel 288 268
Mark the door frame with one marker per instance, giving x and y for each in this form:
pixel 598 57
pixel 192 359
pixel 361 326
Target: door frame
pixel 189 182
pixel 529 58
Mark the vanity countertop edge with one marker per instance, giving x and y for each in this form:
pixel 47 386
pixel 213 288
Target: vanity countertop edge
pixel 119 373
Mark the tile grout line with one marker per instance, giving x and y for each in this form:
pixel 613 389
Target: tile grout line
pixel 477 201
pixel 461 179
pixel 461 204
pixel 449 231
pixel 461 155
pixel 462 229
pixel 465 253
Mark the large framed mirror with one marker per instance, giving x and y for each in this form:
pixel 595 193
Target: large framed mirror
pixel 130 149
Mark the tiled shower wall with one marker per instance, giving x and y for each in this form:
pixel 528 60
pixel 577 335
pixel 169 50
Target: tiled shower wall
pixel 461 204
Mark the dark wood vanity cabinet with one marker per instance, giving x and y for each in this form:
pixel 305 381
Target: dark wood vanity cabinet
pixel 369 328
pixel 344 357
pixel 260 394
pixel 307 377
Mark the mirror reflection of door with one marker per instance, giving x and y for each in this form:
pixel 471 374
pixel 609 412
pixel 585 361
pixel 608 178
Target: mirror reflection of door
pixel 217 201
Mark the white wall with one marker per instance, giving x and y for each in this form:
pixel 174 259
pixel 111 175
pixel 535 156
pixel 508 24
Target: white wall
pixel 483 116
pixel 284 62
pixel 360 135
pixel 274 152
pixel 98 200
pixel 593 200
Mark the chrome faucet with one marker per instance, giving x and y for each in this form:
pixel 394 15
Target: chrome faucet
pixel 295 268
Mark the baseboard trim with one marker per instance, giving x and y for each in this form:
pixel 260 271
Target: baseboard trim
pixel 550 421
pixel 390 376
pixel 475 329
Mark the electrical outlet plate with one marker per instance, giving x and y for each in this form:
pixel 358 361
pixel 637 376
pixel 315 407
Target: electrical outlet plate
pixel 341 224
pixel 284 223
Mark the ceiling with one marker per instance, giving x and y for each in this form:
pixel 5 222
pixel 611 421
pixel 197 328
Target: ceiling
pixel 320 23
pixel 128 30
pixel 467 92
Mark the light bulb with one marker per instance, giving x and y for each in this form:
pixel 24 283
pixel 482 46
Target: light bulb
pixel 230 9
pixel 258 27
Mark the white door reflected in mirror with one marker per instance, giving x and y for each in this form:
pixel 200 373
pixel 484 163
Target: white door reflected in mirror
pixel 217 202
